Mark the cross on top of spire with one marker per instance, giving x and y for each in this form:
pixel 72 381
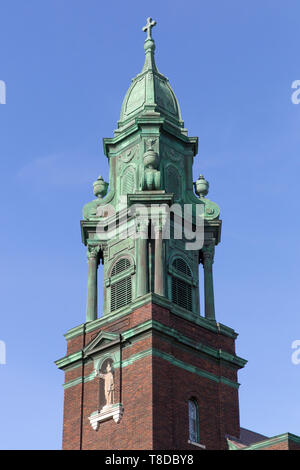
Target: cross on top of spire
pixel 148 27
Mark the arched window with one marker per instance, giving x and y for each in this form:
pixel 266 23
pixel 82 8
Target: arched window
pixel 121 287
pixel 182 284
pixel 194 435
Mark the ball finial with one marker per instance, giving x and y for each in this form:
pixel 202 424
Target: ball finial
pixel 100 187
pixel 201 186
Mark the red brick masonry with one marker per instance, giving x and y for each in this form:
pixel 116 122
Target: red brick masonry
pixel 157 375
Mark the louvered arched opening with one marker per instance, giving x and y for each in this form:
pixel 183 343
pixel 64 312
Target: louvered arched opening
pixel 181 266
pixel 121 284
pixel 182 293
pixel 120 266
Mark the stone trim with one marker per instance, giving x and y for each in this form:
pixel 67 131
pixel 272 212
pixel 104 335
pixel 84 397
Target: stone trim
pixel 273 441
pixel 195 370
pixel 157 326
pixel 165 356
pixel 217 354
pixel 192 443
pixel 70 359
pixel 80 380
pixel 148 298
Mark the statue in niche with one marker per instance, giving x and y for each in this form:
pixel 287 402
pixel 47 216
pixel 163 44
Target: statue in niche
pixel 108 384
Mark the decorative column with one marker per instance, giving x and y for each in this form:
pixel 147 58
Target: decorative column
pixel 142 258
pixel 207 260
pixel 93 261
pixel 158 262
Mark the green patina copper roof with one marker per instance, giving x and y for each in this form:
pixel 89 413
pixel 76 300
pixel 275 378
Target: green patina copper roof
pixel 150 91
pixel 150 122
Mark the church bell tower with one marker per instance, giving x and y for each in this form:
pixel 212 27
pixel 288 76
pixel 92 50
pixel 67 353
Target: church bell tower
pixel 148 369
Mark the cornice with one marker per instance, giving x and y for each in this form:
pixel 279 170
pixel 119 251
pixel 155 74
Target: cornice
pixel 162 355
pixel 153 325
pixel 210 325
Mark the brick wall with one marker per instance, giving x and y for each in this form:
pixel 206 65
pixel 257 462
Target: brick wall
pixel 154 391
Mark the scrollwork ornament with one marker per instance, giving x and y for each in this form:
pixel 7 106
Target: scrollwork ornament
pixel 93 252
pixel 128 155
pixel 174 156
pixel 208 252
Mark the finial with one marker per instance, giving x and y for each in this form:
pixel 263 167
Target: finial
pixel 201 186
pixel 150 24
pixel 149 47
pixel 100 187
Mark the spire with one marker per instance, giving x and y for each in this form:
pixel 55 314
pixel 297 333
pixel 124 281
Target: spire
pixel 149 47
pixel 150 91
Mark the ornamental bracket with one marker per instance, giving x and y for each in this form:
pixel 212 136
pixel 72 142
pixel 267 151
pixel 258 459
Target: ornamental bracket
pixel 114 412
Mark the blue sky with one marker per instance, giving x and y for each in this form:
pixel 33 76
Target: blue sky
pixel 67 66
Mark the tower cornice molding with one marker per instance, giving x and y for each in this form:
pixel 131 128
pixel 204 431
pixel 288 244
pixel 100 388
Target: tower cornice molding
pixel 140 124
pixel 96 346
pixel 210 325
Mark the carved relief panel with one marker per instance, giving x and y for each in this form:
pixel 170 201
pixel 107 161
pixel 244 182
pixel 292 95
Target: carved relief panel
pixel 173 182
pixel 127 170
